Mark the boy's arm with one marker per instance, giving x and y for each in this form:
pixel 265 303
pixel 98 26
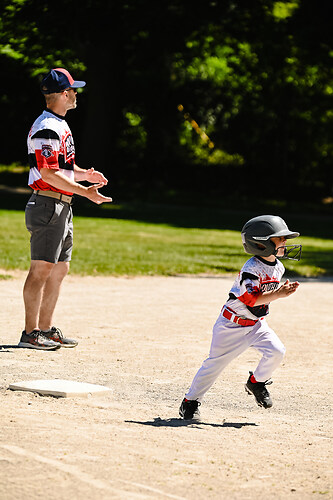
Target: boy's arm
pixel 283 291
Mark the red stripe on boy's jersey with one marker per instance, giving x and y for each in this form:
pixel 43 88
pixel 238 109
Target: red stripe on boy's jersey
pixel 249 299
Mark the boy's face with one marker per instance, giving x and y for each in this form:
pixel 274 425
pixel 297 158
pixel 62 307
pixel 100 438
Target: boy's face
pixel 279 243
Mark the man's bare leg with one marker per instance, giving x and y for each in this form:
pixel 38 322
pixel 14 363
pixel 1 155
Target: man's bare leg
pixel 39 273
pixel 50 294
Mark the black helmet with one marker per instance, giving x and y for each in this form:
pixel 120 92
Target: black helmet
pixel 257 232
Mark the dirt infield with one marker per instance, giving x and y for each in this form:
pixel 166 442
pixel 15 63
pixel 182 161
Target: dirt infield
pixel 145 338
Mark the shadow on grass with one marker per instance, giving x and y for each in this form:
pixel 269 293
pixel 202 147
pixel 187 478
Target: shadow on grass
pixel 201 215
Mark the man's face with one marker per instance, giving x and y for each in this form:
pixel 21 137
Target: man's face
pixel 70 95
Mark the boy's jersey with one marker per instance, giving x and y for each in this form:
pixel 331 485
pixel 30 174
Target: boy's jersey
pixel 50 145
pixel 256 276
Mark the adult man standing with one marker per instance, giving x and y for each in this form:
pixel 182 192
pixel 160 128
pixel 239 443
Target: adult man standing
pixel 54 177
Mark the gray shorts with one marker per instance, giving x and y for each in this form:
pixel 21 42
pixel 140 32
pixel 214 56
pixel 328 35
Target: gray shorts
pixel 50 223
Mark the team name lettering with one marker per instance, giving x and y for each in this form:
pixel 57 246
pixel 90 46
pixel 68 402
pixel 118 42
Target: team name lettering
pixel 70 149
pixel 268 287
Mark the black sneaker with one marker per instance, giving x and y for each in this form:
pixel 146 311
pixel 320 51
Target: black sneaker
pixel 189 409
pixel 56 335
pixel 36 340
pixel 259 391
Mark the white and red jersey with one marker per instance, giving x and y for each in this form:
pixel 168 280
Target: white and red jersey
pixel 50 145
pixel 256 276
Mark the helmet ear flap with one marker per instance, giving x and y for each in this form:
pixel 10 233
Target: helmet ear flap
pixel 262 248
pixel 266 248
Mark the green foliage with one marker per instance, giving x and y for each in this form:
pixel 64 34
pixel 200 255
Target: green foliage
pixel 133 136
pixel 282 10
pixel 199 145
pixel 14 168
pixel 256 77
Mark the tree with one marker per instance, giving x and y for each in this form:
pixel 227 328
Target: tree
pixel 184 93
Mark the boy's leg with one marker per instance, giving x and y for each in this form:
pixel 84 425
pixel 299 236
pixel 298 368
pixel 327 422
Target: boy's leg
pixel 272 349
pixel 229 341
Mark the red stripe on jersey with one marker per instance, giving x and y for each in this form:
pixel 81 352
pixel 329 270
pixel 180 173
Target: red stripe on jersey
pixel 41 185
pixel 249 299
pixel 50 162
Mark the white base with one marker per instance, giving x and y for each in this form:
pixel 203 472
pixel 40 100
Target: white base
pixel 59 388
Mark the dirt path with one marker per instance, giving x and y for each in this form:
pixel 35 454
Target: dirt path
pixel 145 338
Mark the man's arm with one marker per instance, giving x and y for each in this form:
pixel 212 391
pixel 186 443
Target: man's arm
pixel 60 181
pixel 90 175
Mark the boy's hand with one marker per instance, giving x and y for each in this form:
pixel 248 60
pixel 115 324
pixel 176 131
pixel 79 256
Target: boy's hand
pixel 288 288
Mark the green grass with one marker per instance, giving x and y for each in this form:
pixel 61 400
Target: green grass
pixel 115 246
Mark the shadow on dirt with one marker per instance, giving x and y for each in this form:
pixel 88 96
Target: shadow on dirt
pixel 178 422
pixel 5 347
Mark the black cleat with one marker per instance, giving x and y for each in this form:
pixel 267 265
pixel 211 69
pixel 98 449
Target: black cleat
pixel 36 340
pixel 189 410
pixel 56 335
pixel 259 391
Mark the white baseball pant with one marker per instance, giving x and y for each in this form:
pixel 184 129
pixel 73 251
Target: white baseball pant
pixel 229 341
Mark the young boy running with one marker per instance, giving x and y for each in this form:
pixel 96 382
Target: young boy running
pixel 242 321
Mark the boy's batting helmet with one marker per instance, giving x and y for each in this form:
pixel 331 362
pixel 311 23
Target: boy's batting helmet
pixel 257 232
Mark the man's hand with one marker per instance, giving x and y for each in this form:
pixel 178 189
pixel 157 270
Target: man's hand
pixel 95 196
pixel 94 176
pixel 60 181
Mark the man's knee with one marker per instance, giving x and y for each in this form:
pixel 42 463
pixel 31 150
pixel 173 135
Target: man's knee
pixel 60 270
pixel 40 270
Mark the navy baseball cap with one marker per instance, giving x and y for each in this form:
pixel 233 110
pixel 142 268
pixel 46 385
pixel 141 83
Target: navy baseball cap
pixel 57 80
